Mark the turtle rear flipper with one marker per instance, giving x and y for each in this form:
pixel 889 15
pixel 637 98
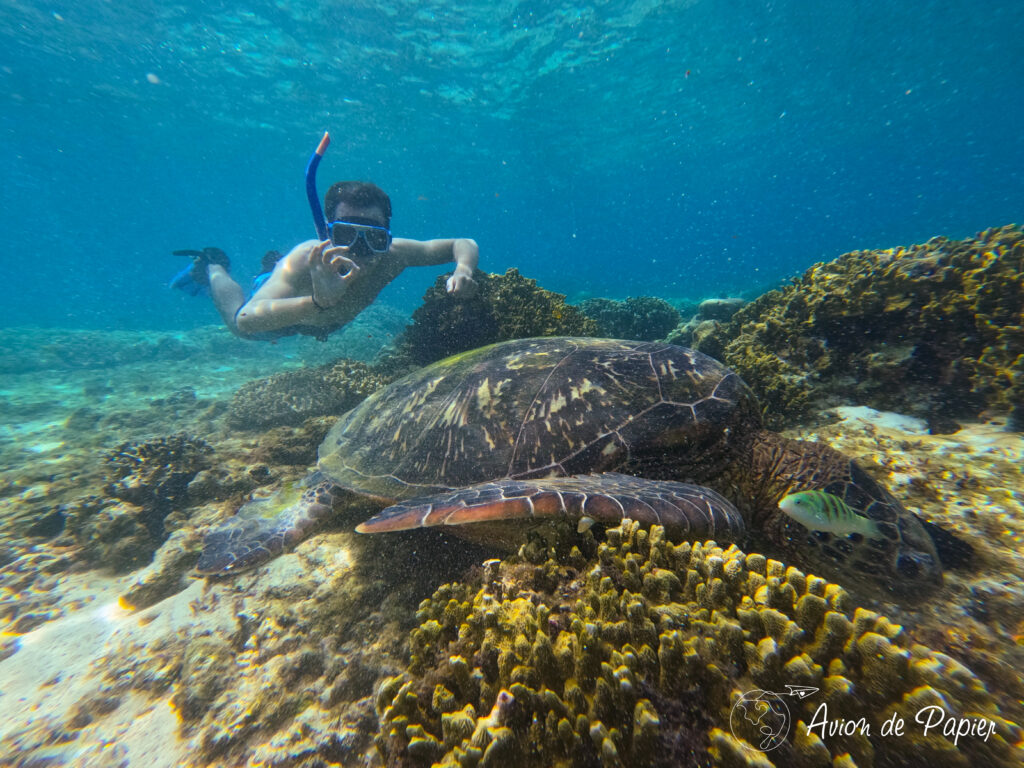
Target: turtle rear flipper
pixel 686 511
pixel 264 528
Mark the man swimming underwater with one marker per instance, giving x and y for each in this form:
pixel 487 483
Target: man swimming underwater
pixel 320 286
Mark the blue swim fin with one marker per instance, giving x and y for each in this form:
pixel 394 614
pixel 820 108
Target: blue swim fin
pixel 193 279
pixel 185 281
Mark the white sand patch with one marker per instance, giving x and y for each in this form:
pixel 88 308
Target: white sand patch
pixel 53 666
pixel 973 438
pixel 883 419
pixel 62 663
pixel 148 734
pixel 97 665
pixel 49 447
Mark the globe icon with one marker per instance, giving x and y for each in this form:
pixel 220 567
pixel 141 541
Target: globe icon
pixel 761 718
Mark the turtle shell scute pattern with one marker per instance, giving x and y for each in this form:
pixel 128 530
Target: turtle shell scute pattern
pixel 534 408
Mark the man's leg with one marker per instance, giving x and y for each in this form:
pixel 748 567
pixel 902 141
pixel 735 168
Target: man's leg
pixel 228 296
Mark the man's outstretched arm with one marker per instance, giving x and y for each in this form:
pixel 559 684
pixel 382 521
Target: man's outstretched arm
pixel 426 253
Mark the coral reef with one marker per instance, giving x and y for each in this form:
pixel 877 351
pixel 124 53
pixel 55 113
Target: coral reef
pixel 626 662
pixel 156 473
pixel 311 631
pixel 45 349
pixel 295 446
pixel 968 484
pixel 505 307
pixel 704 320
pixel 639 317
pixel 930 330
pixel 292 397
pixel 279 667
pixel 147 482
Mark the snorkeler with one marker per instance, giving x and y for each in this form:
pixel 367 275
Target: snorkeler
pixel 321 285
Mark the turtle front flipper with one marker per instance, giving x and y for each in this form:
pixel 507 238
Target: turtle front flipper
pixel 686 511
pixel 264 528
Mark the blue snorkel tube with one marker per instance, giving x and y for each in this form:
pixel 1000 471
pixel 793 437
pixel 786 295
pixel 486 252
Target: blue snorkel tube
pixel 311 194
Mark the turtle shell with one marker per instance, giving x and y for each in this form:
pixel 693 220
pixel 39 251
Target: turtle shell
pixel 538 408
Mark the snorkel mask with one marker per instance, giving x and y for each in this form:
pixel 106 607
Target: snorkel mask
pixel 348 233
pixel 376 239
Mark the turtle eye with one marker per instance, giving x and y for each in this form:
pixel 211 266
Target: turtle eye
pixel 907 566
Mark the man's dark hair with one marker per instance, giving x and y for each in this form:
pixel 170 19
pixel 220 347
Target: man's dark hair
pixel 361 194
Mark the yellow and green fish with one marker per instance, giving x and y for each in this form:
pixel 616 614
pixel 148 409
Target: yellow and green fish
pixel 820 511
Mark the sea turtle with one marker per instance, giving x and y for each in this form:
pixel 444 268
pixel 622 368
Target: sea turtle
pixel 498 439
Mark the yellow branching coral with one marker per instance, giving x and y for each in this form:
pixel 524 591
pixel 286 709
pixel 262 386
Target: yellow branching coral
pixel 638 657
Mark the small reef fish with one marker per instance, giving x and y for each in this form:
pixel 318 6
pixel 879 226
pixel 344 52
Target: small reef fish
pixel 820 511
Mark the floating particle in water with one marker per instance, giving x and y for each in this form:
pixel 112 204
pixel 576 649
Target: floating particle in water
pixel 152 79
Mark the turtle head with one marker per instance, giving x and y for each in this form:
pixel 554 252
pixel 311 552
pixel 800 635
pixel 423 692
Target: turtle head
pixel 898 562
pixel 895 557
pixel 904 551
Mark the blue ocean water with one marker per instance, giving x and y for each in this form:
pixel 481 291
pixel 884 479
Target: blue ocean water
pixel 682 149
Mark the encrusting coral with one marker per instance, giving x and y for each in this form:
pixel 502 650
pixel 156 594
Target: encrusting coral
pixel 147 482
pixel 291 398
pixel 930 330
pixel 710 313
pixel 505 307
pixel 646 318
pixel 639 659
pixel 156 471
